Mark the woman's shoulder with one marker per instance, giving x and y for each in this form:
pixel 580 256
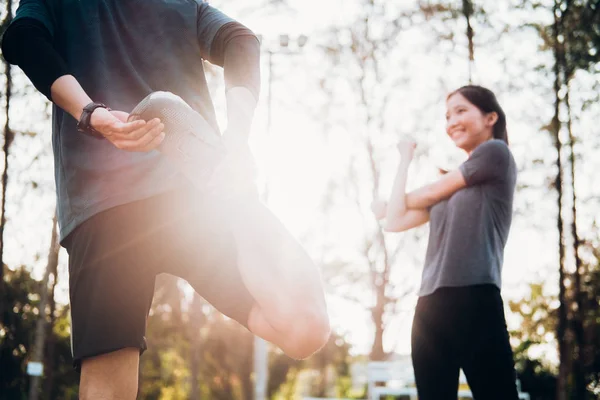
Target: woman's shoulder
pixel 494 145
pixel 493 149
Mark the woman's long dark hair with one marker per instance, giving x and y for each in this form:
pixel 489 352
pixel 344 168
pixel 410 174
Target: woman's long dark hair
pixel 485 100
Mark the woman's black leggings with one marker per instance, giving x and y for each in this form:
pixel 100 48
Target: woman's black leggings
pixel 462 327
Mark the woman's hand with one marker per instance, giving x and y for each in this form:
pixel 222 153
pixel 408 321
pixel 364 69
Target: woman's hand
pixel 406 148
pixel 379 209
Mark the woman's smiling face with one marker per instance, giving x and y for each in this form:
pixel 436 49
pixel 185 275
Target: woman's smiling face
pixel 466 124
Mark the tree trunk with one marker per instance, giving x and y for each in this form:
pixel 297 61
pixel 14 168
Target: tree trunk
pixel 40 329
pixel 468 11
pixel 377 353
pixel 8 137
pixel 196 320
pixel 579 312
pixel 563 320
pixel 245 372
pixel 48 385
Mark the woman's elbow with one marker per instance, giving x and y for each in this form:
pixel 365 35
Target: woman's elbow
pixel 395 226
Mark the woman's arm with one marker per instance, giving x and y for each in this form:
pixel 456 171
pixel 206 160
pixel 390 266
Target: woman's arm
pixel 488 163
pixel 409 210
pixel 411 219
pixel 433 193
pixel 398 217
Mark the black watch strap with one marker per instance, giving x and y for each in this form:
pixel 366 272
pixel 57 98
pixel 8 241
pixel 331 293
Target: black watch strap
pixel 84 124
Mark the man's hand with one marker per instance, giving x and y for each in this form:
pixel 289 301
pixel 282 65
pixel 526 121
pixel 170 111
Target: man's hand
pixel 136 135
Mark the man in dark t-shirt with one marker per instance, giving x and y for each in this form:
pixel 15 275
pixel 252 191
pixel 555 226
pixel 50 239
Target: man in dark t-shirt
pixel 125 213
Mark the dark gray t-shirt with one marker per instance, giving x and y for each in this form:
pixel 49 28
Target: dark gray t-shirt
pixel 120 51
pixel 469 230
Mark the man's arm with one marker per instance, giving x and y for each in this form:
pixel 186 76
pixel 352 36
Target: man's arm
pixel 140 136
pixel 28 44
pixel 240 51
pixel 229 44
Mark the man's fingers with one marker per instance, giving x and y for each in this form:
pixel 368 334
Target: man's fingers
pixel 118 130
pixel 154 143
pixel 135 129
pixel 147 142
pixel 150 126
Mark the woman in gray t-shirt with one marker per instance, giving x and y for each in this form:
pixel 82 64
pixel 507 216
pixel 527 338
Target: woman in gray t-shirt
pixel 459 319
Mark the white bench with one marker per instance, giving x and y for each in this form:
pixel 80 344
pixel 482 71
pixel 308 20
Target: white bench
pixel 399 380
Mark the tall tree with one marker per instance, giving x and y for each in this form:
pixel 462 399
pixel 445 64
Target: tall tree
pixel 467 8
pixel 8 137
pixel 563 337
pixel 49 383
pixel 581 48
pixel 576 43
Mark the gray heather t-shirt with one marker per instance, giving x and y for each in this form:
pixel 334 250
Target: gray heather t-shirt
pixel 120 51
pixel 468 231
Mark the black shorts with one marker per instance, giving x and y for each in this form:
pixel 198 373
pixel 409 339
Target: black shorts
pixel 115 256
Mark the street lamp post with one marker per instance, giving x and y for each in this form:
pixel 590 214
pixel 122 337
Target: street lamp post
pixel 261 350
pixel 281 48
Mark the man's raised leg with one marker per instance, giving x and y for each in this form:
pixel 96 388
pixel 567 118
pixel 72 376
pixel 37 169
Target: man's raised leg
pixel 242 260
pixel 290 308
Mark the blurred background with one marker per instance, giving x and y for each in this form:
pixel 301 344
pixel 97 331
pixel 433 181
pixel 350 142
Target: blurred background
pixel 343 81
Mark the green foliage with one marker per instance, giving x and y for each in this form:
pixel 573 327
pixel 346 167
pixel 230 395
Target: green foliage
pixel 538 319
pixel 283 375
pixel 580 22
pixel 537 327
pixel 538 324
pixel 578 34
pixel 17 327
pixel 58 358
pixel 288 390
pixel 332 363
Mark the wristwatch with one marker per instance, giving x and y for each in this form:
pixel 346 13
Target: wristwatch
pixel 84 123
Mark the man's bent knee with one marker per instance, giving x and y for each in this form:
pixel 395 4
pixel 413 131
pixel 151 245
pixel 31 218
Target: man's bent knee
pixel 307 334
pixel 110 376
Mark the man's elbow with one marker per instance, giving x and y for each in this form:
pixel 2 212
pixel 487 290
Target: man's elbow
pixel 245 42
